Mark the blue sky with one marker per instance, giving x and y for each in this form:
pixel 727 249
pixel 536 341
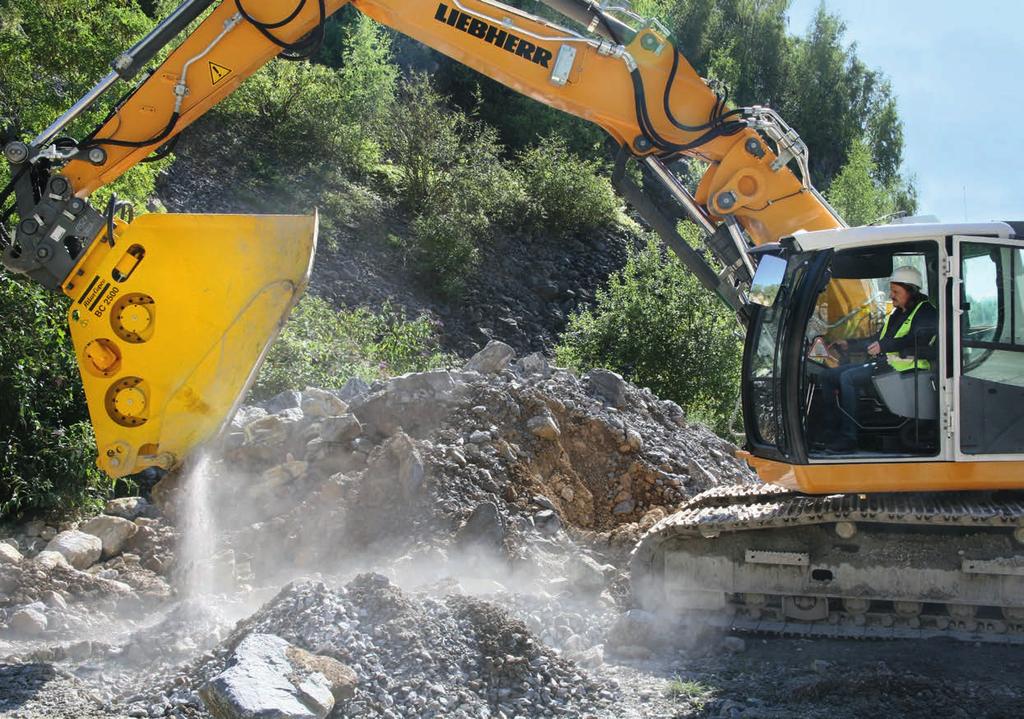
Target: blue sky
pixel 957 70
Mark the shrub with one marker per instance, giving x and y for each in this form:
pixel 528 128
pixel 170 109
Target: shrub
pixel 301 116
pixel 47 450
pixel 568 194
pixel 322 347
pixel 656 325
pixel 452 178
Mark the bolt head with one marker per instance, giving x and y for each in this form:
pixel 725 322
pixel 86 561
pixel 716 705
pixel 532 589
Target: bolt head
pixel 642 143
pixel 59 185
pixel 97 155
pixel 16 152
pixel 726 200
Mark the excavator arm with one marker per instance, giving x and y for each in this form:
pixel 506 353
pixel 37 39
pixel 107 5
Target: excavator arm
pixel 172 314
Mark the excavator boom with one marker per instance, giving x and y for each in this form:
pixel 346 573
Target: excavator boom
pixel 172 314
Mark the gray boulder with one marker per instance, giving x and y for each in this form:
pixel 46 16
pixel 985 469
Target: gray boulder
pixel 320 403
pixel 29 621
pixel 9 554
pixel 340 429
pixel 608 386
pixel 492 359
pixel 268 678
pixel 534 364
pixel 484 526
pixel 586 574
pixel 127 507
pixel 80 549
pixel 112 531
pixel 288 399
pixel 354 388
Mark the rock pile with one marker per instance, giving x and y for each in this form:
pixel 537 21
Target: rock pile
pixel 505 455
pixel 57 582
pixel 412 655
pixel 494 504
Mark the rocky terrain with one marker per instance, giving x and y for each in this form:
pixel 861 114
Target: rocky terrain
pixel 441 544
pixel 363 257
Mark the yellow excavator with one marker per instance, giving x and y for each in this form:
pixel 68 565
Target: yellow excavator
pixel 917 528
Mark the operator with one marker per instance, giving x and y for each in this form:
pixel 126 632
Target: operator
pixel 911 326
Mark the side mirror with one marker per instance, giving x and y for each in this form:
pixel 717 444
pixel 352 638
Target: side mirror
pixel 767 282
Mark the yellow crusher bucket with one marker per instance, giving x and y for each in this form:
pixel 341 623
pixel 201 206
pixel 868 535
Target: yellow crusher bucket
pixel 171 324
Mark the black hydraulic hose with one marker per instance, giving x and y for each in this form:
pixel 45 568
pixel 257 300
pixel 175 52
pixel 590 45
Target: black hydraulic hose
pixel 716 115
pixel 305 47
pixel 9 189
pixel 660 143
pixel 159 137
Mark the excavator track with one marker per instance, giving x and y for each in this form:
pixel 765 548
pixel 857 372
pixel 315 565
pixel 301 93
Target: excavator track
pixel 764 559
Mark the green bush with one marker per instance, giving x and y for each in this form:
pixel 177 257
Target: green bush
pixel 322 347
pixel 297 117
pixel 47 450
pixel 568 194
pixel 452 177
pixel 657 326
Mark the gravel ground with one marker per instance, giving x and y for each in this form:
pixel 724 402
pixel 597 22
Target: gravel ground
pixel 773 678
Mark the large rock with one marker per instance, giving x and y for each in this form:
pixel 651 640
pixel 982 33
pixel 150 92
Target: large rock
pixel 127 507
pixel 484 526
pixel 320 403
pixel 608 386
pixel 544 426
pixel 534 364
pixel 586 574
pixel 343 428
pixel 112 531
pixel 354 388
pixel 50 559
pixel 80 549
pixel 9 554
pixel 268 678
pixel 29 621
pixel 289 399
pixel 409 402
pixel 491 359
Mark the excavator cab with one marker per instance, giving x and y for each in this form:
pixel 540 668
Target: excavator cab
pixel 819 298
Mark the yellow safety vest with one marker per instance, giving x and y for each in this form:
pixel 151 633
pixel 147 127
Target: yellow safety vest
pixel 895 361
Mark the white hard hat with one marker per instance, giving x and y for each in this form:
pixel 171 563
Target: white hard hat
pixel 907 276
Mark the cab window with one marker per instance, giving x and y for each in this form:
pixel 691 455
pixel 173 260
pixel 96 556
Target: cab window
pixel 991 329
pixel 860 399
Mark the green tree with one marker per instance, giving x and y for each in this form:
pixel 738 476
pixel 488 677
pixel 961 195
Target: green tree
pixel 47 450
pixel 53 52
pixel 656 325
pixel 860 196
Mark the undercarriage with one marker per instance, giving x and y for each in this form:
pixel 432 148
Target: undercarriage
pixel 767 560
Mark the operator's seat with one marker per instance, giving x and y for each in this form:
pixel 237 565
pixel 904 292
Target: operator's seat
pixel 897 392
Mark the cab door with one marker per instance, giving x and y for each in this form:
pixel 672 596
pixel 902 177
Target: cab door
pixel 988 348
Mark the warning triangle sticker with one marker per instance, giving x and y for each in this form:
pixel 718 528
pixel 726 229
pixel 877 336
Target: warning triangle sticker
pixel 217 72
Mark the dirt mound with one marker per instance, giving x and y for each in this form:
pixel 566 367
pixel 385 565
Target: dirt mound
pixel 414 655
pixel 510 458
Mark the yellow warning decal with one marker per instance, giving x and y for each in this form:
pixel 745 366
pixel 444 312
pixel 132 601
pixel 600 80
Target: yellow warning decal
pixel 217 72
